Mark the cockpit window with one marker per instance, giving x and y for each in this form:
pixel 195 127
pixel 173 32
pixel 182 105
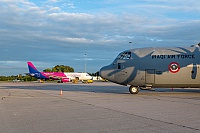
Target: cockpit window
pixel 125 55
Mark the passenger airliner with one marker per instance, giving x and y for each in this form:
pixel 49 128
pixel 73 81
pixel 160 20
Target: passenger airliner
pixel 61 76
pixel 46 75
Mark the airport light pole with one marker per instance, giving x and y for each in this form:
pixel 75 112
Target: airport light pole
pixel 130 44
pixel 85 62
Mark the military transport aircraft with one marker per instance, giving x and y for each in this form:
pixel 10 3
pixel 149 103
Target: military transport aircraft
pixel 146 68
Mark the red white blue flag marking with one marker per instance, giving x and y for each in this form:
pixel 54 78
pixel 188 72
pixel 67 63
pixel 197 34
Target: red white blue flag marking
pixel 174 67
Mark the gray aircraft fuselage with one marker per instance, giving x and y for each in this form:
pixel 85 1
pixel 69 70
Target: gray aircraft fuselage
pixel 175 67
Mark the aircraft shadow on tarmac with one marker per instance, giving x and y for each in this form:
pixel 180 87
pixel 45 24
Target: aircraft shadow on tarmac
pixel 115 89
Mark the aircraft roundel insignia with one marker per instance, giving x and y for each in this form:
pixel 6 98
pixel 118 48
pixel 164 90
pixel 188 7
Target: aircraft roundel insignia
pixel 174 67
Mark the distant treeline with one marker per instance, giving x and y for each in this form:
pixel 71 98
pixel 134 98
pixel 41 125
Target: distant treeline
pixel 59 68
pixel 62 68
pixel 94 74
pixel 18 77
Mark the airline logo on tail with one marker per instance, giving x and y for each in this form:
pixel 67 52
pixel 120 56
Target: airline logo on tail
pixel 34 72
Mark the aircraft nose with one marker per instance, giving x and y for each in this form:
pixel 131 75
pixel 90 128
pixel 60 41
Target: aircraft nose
pixel 107 72
pixel 102 72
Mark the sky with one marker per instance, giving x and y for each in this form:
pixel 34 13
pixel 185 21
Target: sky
pixel 90 33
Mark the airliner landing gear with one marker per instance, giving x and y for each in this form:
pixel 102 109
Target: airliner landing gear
pixel 133 89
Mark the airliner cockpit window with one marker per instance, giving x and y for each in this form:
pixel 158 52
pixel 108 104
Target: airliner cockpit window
pixel 125 56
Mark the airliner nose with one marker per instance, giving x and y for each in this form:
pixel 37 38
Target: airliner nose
pixel 107 72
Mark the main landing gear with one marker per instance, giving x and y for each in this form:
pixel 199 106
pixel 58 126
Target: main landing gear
pixel 133 89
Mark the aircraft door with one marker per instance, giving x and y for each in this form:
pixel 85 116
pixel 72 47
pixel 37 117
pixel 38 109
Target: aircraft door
pixel 150 76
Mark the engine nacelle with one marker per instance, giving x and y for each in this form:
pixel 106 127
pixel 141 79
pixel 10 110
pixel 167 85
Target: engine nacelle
pixel 65 80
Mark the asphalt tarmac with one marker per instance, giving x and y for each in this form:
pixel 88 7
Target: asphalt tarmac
pixel 101 107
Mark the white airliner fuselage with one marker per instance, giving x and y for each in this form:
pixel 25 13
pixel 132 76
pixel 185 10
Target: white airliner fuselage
pixel 79 76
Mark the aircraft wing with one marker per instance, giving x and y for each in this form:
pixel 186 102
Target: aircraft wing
pixel 29 74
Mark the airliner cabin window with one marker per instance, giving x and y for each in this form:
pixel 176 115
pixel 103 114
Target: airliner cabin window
pixel 125 55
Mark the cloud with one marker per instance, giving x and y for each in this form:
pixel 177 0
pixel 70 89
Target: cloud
pixel 53 1
pixel 54 9
pixel 52 32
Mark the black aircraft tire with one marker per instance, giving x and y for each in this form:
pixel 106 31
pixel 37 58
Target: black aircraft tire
pixel 133 89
